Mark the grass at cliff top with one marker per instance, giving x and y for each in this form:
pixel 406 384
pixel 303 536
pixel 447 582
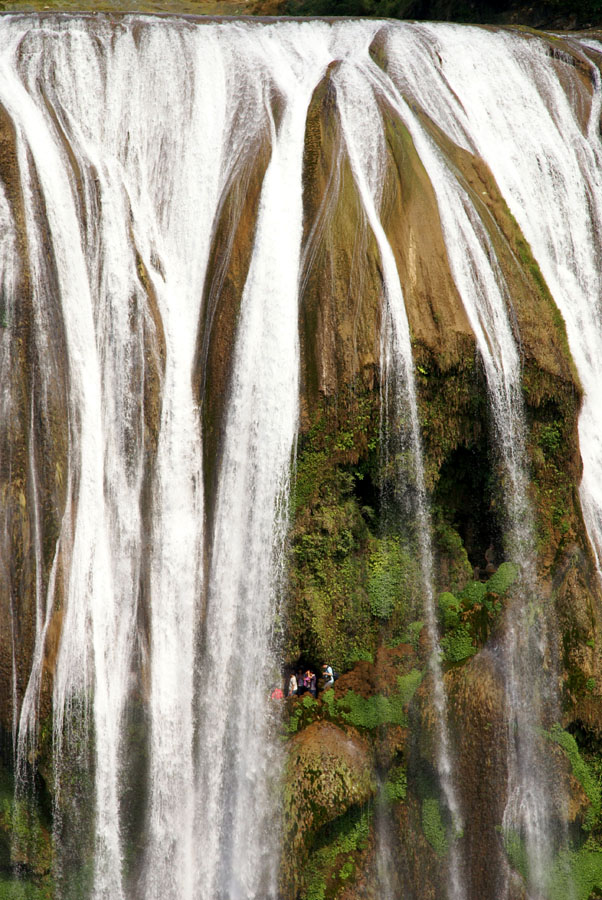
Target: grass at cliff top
pixel 182 7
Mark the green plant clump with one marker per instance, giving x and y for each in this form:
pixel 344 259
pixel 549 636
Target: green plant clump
pixel 576 874
pixel 573 873
pixel 396 786
pixel 13 889
pixel 433 827
pixel 516 851
pixel 303 713
pixel 457 645
pixel 581 772
pixel 372 712
pixel 331 862
pixel 391 575
pixel 467 620
pixel 412 634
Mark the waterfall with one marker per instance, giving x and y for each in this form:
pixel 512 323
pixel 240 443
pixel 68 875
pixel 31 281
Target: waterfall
pixel 130 229
pixel 546 162
pixel 362 128
pixel 237 761
pixel 487 301
pixel 164 580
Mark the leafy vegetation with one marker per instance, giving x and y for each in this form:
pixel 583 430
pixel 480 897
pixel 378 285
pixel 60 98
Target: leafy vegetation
pixel 581 771
pixel 332 861
pixel 396 786
pixel 393 577
pixel 433 827
pixel 468 620
pixel 353 709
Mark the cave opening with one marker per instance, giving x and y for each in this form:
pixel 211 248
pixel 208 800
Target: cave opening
pixel 466 495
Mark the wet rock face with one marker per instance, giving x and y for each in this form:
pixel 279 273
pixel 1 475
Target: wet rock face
pixel 361 762
pixel 328 772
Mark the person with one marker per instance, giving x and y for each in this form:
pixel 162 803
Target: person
pixel 310 679
pixel 277 694
pixel 328 676
pixel 293 687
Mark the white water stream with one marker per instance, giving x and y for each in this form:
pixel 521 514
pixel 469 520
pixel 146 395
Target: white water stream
pixel 364 139
pixel 127 138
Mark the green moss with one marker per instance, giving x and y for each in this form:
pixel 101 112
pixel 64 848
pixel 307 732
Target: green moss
pixel 332 861
pixel 412 634
pixel 24 838
pixel 503 579
pixel 473 593
pixel 304 711
pixel 453 404
pixel 22 889
pixel 550 439
pixel 360 654
pixel 409 684
pixel 396 786
pixel 516 851
pixel 467 620
pixel 581 772
pixel 433 827
pixel 353 709
pixel 371 712
pixel 575 874
pixel 393 577
pixel 449 610
pixel 457 646
pixel 352 584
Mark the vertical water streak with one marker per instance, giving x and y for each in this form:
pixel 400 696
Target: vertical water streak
pixel 362 128
pixel 90 555
pixel 9 276
pixel 486 300
pixel 548 167
pixel 239 758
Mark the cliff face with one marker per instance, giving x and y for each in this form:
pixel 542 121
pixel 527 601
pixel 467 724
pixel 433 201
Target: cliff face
pixel 362 799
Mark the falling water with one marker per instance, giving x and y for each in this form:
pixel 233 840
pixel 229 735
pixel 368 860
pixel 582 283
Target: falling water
pixel 128 136
pixel 486 299
pixel 364 138
pixel 546 162
pixel 236 756
pixel 130 229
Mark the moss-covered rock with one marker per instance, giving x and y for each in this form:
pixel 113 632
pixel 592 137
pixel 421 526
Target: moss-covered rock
pixel 328 772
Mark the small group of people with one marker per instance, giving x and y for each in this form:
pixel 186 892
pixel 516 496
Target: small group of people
pixel 302 682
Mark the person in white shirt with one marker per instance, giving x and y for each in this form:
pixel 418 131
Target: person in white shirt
pixel 328 676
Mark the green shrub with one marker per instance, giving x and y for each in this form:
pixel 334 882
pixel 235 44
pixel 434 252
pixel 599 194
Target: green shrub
pixel 449 610
pixel 581 771
pixel 433 827
pixel 473 593
pixel 412 634
pixel 393 577
pixel 457 645
pixel 503 579
pixel 332 856
pixel 396 786
pixel 516 851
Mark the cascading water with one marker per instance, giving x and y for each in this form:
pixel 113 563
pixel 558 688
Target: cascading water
pixel 236 759
pixel 546 161
pixel 139 254
pixel 364 138
pixel 547 164
pixel 128 137
pixel 486 299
